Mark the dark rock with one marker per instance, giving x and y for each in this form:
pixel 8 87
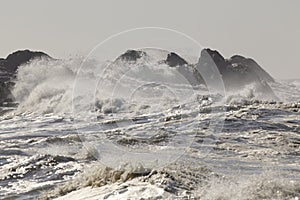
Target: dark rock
pixel 5 93
pixel 249 63
pixel 174 60
pixel 8 69
pixel 186 70
pixel 14 60
pixel 236 71
pixel 132 55
pixel 207 55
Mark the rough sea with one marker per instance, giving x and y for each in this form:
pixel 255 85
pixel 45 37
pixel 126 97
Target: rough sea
pixel 141 139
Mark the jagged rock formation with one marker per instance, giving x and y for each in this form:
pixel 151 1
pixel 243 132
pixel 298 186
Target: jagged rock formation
pixel 238 61
pixel 132 55
pixel 174 60
pixel 236 71
pixel 14 60
pixel 8 69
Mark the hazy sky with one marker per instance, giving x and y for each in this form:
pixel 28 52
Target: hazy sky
pixel 266 30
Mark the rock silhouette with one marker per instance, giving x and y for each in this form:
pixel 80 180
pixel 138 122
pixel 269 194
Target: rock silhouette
pixel 132 55
pixel 14 60
pixel 236 72
pixel 8 69
pixel 175 60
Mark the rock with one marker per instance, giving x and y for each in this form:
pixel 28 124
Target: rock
pixel 8 69
pixel 236 72
pixel 184 68
pixel 14 60
pixel 132 55
pixel 174 60
pixel 5 94
pixel 249 63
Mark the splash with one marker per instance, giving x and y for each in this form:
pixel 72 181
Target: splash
pixel 45 86
pixel 268 185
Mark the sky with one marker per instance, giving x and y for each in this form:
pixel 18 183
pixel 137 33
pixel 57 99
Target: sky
pixel 265 30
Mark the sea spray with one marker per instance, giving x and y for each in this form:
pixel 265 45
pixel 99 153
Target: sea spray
pixel 45 86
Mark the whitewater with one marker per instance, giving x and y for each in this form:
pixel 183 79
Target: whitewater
pixel 145 133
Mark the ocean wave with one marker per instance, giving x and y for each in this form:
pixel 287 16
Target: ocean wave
pixel 268 185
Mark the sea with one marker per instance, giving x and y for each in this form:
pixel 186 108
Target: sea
pixel 110 133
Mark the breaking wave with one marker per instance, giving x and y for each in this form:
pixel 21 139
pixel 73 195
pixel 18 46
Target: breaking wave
pixel 257 127
pixel 172 182
pixel 268 185
pixel 47 86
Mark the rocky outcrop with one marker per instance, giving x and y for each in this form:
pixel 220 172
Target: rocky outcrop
pixel 132 55
pixel 174 60
pixel 251 65
pixel 14 60
pixel 236 71
pixel 8 69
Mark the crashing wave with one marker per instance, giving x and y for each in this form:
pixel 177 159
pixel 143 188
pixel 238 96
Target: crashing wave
pixel 45 85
